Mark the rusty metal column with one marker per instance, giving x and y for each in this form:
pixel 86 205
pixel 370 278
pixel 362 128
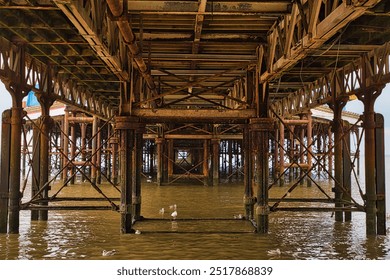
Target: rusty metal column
pixel 44 161
pixel 292 151
pixel 281 153
pixel 380 174
pixel 369 151
pixel 137 170
pixel 309 142
pixel 338 158
pixel 330 152
pixel 65 145
pixel 159 143
pixel 93 150
pixel 5 168
pixel 171 157
pixel 260 128
pixel 99 155
pixel 347 167
pixel 215 166
pixel 126 127
pixel 249 198
pixel 14 185
pixel 35 174
pixel 83 142
pixel 72 149
pixel 114 165
pixel 206 171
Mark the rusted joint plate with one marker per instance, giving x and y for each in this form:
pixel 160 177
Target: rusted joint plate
pixel 262 124
pixel 128 122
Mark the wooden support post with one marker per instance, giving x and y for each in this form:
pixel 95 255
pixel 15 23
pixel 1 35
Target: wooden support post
pixel 280 147
pixel 230 152
pixel 127 127
pixel 4 169
pixel 338 157
pixel 137 169
pixel 260 128
pixel 94 147
pixel 347 167
pixel 302 152
pixel 215 158
pixel 380 174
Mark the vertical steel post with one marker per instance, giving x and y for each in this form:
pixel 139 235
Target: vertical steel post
pixel 347 167
pixel 72 149
pixel 94 147
pixel 206 171
pixel 260 128
pixel 126 127
pixel 215 167
pixel 159 143
pixel 137 169
pixel 338 158
pixel 14 187
pixel 99 155
pixel 35 174
pixel 249 199
pixel 309 137
pixel 83 142
pixel 4 169
pixel 380 174
pixel 281 153
pixel 65 145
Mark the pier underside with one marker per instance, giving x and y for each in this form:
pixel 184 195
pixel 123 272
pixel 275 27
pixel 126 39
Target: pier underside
pixel 207 92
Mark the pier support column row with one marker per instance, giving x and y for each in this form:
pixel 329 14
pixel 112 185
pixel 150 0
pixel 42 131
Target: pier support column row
pixel 259 134
pixel 130 155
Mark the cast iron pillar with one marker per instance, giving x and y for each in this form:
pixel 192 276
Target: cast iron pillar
pixel 4 171
pixel 260 128
pixel 347 168
pixel 338 157
pixel 380 174
pixel 249 198
pixel 127 127
pixel 137 169
pixel 368 98
pixel 215 161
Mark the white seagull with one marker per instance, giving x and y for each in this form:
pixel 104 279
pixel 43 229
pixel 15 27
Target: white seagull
pixel 108 253
pixel 174 214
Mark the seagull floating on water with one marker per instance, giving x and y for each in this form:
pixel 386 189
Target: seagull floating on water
pixel 275 252
pixel 239 217
pixel 174 214
pixel 173 207
pixel 137 232
pixel 162 211
pixel 108 253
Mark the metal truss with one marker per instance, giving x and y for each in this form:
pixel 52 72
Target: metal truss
pixel 42 78
pixel 369 71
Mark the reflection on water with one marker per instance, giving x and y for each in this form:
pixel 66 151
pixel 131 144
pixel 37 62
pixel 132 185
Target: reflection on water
pixel 217 235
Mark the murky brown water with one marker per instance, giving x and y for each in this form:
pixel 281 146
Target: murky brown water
pixel 84 234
